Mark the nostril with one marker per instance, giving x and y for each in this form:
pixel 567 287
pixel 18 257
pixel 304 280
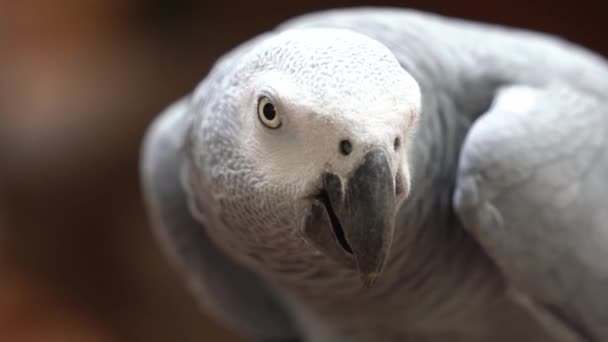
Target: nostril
pixel 346 147
pixel 397 143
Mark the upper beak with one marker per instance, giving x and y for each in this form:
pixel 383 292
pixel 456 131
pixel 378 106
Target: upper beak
pixel 361 215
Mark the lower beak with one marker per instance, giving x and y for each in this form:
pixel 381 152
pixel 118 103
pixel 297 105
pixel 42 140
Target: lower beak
pixel 361 215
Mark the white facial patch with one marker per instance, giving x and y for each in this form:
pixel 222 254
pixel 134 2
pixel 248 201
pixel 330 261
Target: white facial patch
pixel 329 85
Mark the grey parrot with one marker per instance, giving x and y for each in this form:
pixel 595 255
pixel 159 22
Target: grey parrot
pixel 381 174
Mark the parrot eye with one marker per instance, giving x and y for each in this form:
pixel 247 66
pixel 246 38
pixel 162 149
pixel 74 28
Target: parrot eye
pixel 268 113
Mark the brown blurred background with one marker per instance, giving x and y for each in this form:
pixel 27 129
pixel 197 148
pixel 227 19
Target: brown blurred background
pixel 79 82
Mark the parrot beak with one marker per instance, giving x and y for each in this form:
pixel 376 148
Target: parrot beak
pixel 360 216
pixel 368 213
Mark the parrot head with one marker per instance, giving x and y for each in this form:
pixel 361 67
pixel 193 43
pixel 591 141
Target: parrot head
pixel 303 139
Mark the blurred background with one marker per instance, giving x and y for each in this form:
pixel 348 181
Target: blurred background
pixel 79 82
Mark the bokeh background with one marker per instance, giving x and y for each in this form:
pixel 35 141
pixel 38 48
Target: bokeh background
pixel 79 82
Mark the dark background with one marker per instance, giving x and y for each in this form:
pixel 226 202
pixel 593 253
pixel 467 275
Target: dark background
pixel 79 82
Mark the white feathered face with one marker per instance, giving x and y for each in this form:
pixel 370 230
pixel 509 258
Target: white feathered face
pixel 317 145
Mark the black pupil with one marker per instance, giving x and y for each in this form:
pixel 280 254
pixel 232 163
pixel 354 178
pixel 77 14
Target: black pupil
pixel 269 112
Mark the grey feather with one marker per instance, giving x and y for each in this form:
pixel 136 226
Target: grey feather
pixel 234 294
pixel 531 187
pixel 442 280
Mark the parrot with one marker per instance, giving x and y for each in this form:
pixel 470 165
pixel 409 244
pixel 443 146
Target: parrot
pixel 390 174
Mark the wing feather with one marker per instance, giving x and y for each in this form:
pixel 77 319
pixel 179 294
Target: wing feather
pixel 532 187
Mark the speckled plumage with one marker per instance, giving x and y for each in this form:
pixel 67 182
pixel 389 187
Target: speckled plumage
pixel 247 187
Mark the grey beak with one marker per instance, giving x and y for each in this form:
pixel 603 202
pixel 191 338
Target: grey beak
pixel 369 213
pixel 361 214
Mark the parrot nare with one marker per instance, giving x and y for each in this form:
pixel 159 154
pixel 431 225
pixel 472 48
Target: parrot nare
pixel 383 174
